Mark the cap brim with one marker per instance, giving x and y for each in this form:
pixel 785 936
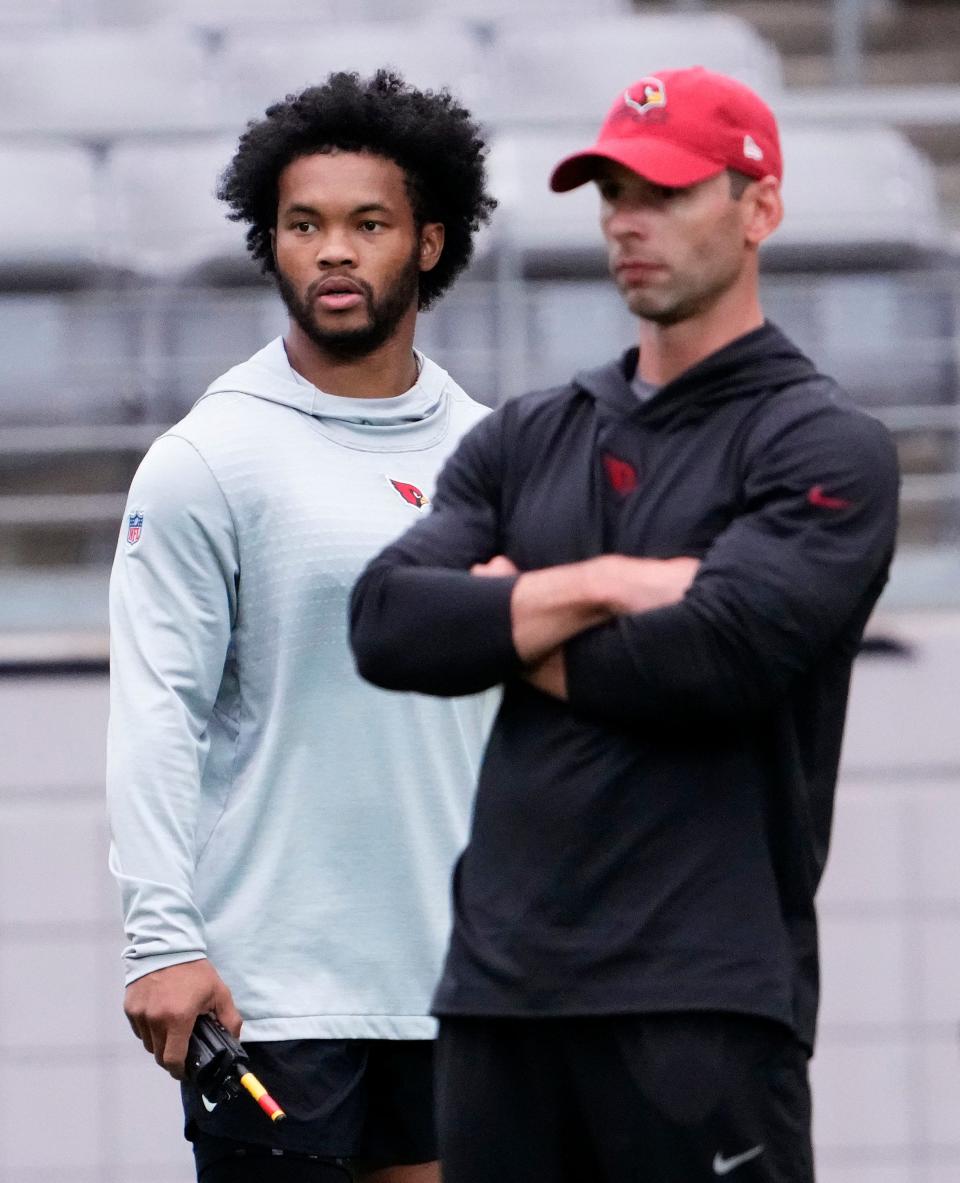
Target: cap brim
pixel 653 158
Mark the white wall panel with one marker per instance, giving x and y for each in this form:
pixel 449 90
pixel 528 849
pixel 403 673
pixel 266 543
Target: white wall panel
pixel 887 1070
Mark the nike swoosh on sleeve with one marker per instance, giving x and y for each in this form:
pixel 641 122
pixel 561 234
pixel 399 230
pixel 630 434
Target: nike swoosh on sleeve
pixel 817 497
pixel 723 1166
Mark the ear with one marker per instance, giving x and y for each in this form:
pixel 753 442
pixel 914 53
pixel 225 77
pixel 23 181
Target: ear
pixel 762 205
pixel 431 245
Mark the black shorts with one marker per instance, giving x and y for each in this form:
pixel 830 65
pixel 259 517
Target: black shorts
pixel 357 1100
pixel 675 1098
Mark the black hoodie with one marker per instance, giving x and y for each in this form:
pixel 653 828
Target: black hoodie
pixel 655 843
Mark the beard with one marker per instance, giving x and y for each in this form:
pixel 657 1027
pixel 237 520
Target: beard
pixel 383 314
pixel 670 312
pixel 670 308
pixel 687 292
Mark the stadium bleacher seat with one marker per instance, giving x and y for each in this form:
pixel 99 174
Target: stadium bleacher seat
pixel 48 217
pixel 54 290
pixel 99 84
pixel 571 70
pixel 69 358
pixel 547 233
pixel 855 196
pixel 167 222
pixel 256 70
pixel 884 335
pixel 200 296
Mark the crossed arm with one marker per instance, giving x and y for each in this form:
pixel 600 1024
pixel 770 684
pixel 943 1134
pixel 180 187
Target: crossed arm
pixel 636 640
pixel 550 606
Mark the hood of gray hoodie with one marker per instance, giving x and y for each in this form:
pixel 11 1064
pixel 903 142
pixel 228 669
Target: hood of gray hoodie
pixel 412 420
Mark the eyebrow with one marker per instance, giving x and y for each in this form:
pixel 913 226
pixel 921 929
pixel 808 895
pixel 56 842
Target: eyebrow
pixel 371 207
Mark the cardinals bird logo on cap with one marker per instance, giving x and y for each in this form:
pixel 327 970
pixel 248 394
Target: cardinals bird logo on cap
pixel 653 92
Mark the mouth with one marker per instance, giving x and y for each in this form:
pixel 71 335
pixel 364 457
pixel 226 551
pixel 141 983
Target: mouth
pixel 337 293
pixel 637 270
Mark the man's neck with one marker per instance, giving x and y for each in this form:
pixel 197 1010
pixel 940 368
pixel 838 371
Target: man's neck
pixel 384 373
pixel 666 351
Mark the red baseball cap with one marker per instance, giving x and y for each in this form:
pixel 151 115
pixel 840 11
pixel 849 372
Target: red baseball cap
pixel 680 127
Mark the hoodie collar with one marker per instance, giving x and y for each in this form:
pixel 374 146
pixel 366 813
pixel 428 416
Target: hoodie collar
pixel 760 361
pixel 416 419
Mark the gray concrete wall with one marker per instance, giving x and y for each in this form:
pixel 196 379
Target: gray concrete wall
pixel 81 1102
pixel 887 1069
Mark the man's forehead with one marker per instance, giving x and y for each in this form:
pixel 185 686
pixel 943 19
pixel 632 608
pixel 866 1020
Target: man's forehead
pixel 353 178
pixel 337 168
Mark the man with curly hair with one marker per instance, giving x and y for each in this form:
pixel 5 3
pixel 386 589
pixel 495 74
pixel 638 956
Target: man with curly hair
pixel 283 832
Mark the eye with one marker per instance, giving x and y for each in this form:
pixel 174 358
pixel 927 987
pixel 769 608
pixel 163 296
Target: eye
pixel 609 190
pixel 370 224
pixel 303 227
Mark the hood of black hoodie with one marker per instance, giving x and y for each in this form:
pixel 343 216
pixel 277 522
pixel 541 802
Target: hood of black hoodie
pixel 762 361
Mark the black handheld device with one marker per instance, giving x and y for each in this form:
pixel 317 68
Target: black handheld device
pixel 219 1067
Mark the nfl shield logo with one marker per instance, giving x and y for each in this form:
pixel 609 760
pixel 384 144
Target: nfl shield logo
pixel 134 526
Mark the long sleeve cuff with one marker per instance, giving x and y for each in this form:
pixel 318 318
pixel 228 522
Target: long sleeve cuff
pixel 433 630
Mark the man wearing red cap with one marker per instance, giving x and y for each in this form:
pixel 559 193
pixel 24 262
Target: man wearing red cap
pixel 669 564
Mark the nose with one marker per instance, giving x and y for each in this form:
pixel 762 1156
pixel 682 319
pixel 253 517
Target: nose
pixel 626 221
pixel 335 250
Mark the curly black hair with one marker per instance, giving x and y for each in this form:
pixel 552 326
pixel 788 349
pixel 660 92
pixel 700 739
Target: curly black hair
pixel 427 133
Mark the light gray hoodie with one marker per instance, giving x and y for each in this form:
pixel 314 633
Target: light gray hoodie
pixel 270 809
